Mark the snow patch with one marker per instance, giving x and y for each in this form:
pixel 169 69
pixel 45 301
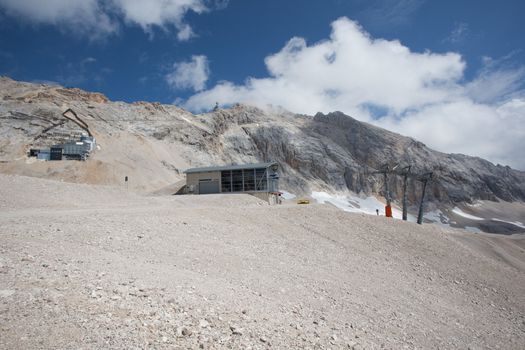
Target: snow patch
pixel 515 223
pixel 188 120
pixel 368 205
pixel 287 195
pixel 356 204
pixel 459 212
pixel 438 216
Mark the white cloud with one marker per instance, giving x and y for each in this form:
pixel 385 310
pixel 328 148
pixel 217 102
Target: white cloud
pixel 458 34
pixel 496 81
pixel 148 14
pixel 382 13
pixel 219 4
pixel 185 33
pixel 495 133
pixel 85 17
pixel 190 75
pixel 344 72
pixel 99 18
pixel 422 95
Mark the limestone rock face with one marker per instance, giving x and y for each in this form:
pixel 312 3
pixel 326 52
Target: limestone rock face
pixel 457 177
pixel 154 143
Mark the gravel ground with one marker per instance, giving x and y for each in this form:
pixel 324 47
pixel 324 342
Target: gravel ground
pixel 91 267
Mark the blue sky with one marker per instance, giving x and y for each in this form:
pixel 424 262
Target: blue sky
pixel 457 66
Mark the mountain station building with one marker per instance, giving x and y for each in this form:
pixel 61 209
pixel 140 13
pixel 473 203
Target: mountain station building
pixel 260 180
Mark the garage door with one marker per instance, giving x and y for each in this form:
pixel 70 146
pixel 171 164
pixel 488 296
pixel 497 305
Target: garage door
pixel 207 186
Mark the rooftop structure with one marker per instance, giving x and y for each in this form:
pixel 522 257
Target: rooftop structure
pixel 230 167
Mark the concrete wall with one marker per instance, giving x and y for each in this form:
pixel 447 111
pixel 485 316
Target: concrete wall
pixel 192 179
pixel 260 195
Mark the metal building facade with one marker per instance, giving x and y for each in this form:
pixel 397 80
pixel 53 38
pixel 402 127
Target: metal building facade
pixel 250 178
pixel 56 153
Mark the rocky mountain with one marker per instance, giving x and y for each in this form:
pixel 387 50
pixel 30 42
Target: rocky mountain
pixel 152 144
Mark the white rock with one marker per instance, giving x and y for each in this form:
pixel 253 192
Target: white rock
pixel 236 330
pixel 4 293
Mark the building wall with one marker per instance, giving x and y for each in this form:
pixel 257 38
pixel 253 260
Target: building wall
pixel 44 155
pixel 192 180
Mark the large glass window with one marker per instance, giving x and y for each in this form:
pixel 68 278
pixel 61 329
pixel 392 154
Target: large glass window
pixel 249 179
pixel 237 180
pixel 226 181
pixel 261 183
pixel 244 180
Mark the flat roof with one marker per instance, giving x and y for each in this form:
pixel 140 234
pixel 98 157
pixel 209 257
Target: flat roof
pixel 229 167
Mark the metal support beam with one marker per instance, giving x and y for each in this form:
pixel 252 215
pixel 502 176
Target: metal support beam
pixel 387 191
pixel 425 179
pixel 405 181
pixel 385 170
pixel 406 173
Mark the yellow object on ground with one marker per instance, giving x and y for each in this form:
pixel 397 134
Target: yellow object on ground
pixel 303 201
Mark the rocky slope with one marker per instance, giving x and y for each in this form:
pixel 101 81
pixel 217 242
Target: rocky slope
pixel 98 267
pixel 153 143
